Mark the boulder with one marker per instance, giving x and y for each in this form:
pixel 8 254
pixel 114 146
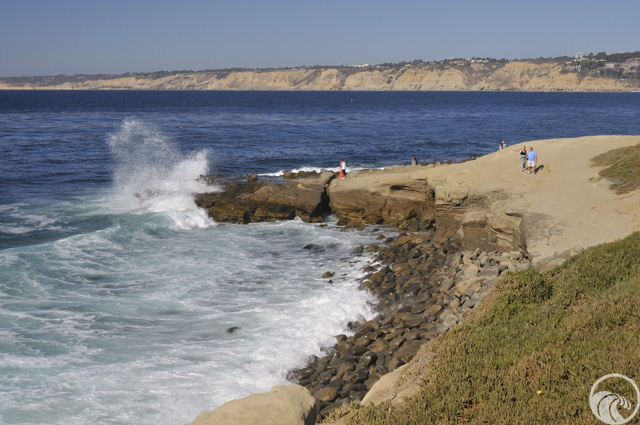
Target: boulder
pixel 327 394
pixel 283 405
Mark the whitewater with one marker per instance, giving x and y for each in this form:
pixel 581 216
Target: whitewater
pixel 141 309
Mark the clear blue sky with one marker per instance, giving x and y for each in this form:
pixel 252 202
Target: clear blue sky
pixel 50 37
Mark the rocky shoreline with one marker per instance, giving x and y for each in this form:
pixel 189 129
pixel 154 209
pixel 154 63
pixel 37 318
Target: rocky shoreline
pixel 425 286
pixel 461 226
pixel 424 280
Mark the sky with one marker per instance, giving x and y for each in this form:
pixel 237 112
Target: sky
pixel 53 37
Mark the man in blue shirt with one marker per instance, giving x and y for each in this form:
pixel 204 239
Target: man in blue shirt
pixel 532 160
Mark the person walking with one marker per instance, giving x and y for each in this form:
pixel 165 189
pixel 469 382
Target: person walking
pixel 532 161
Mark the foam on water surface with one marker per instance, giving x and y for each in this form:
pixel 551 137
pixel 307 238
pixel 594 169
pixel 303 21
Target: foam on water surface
pixel 122 317
pixel 141 318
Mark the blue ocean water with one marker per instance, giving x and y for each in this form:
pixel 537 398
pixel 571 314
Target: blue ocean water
pixel 116 291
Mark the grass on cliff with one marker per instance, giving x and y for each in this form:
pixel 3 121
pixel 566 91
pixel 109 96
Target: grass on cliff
pixel 532 356
pixel 623 168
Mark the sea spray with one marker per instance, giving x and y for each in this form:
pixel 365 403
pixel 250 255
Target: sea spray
pixel 151 174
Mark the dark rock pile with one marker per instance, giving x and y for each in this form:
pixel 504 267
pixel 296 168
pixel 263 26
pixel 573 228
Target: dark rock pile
pixel 425 286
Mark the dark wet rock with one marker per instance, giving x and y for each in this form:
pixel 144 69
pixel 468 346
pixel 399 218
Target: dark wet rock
pixel 327 275
pixel 326 394
pixel 368 358
pixel 379 345
pixel 408 350
pixel 356 377
pixel 325 377
pixel 393 362
pixel 233 329
pixel 363 331
pixel 357 351
pixel 344 345
pixel 344 368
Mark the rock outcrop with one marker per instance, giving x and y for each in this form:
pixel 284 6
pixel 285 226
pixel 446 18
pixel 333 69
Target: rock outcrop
pixel 283 405
pixel 394 202
pixel 256 201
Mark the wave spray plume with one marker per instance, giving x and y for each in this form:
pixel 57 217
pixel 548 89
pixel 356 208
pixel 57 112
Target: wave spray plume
pixel 153 175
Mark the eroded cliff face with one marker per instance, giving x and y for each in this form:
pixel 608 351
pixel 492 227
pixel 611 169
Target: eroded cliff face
pixel 514 75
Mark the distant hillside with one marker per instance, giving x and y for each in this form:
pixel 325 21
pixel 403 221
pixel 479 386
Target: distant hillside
pixel 449 75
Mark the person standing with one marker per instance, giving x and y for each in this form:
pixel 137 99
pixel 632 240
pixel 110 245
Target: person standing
pixel 523 157
pixel 343 169
pixel 532 161
pixel 414 161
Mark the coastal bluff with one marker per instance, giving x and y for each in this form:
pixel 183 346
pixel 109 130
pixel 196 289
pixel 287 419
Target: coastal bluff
pixel 516 75
pixel 475 220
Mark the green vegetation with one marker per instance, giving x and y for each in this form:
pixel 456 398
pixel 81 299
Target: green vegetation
pixel 623 166
pixel 532 356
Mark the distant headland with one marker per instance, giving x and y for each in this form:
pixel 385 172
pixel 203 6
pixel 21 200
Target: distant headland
pixel 617 72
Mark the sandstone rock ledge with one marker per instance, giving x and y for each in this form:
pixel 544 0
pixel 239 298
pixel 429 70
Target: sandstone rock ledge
pixel 256 201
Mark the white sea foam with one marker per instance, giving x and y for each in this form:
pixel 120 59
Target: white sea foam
pixel 309 169
pixel 27 222
pixel 152 175
pixel 15 230
pixel 131 324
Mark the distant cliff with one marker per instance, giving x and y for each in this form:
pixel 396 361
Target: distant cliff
pixel 527 75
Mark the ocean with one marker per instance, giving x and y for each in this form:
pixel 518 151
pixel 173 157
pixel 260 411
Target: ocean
pixel 118 295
